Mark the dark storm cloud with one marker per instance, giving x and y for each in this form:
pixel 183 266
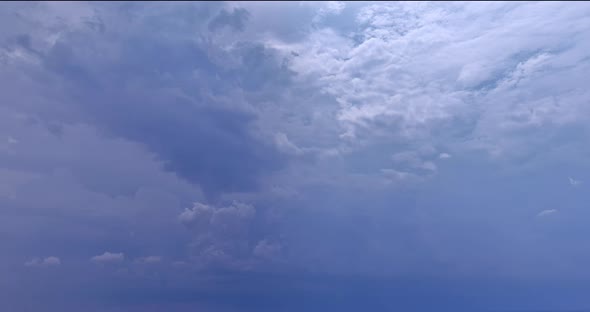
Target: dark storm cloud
pixel 150 91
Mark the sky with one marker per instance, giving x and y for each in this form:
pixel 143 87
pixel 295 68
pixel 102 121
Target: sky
pixel 294 156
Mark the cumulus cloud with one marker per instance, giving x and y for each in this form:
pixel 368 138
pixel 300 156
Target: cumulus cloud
pixel 108 257
pixel 46 262
pixel 547 212
pixel 226 236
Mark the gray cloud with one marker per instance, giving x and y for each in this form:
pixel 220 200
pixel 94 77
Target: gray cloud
pixel 228 236
pixel 138 94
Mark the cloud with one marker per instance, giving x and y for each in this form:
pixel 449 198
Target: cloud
pixel 267 249
pixel 215 143
pixel 329 8
pixel 418 164
pixel 398 44
pixel 574 182
pixel 308 136
pixel 46 262
pixel 227 236
pixel 285 145
pixel 547 212
pixel 108 257
pixel 444 156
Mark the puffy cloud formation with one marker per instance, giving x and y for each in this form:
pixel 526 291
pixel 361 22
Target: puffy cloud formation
pixel 227 236
pixel 109 257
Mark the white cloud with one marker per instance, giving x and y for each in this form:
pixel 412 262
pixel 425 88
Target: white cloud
pixel 52 261
pixel 108 257
pixel 414 73
pixel 574 182
pixel 329 8
pixel 444 156
pixel 204 218
pixel 47 262
pixel 546 212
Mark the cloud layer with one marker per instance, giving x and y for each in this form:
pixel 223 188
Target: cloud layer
pixel 242 156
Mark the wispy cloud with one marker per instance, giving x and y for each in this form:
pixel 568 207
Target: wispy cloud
pixel 574 182
pixel 547 212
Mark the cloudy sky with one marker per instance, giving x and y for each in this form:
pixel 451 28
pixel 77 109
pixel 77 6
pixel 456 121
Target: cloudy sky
pixel 294 156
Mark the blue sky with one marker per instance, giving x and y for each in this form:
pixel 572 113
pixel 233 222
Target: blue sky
pixel 294 156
